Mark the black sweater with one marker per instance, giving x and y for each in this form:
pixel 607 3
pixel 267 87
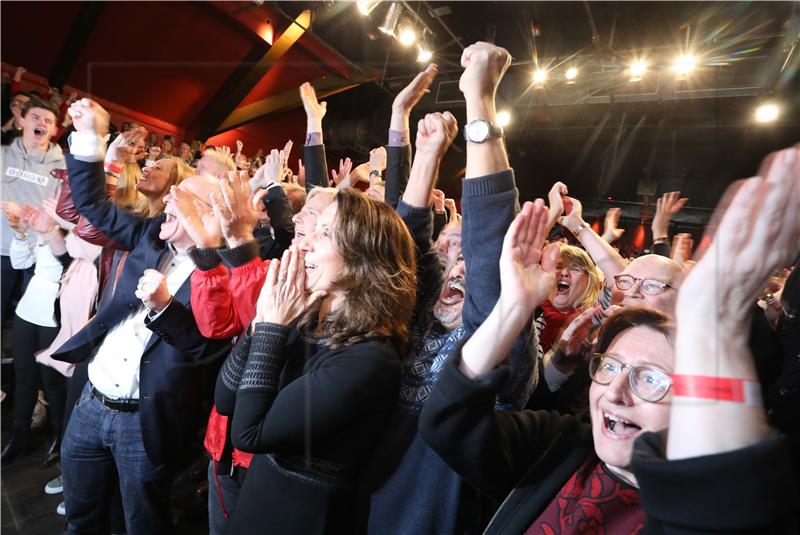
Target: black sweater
pixel 311 415
pixel 526 457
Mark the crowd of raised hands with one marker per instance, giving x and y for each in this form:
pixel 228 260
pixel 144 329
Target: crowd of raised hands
pixel 659 348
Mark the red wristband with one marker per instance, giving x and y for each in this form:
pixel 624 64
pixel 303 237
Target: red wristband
pixel 114 168
pixel 718 388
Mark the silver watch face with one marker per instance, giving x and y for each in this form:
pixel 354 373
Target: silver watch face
pixel 478 131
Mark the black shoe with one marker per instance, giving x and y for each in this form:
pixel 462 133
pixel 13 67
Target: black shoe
pixel 53 454
pixel 17 446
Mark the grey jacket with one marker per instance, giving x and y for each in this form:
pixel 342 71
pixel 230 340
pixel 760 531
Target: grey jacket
pixel 28 180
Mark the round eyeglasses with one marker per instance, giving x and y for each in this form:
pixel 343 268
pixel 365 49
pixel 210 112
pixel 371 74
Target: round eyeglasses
pixel 648 383
pixel 647 286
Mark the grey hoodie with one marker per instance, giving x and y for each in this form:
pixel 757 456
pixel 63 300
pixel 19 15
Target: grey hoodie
pixel 28 180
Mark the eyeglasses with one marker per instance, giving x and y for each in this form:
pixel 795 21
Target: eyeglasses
pixel 649 384
pixel 647 286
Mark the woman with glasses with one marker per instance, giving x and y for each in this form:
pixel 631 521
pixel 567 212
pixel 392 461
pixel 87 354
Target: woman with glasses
pixel 723 471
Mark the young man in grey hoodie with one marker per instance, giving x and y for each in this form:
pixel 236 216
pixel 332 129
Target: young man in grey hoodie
pixel 32 168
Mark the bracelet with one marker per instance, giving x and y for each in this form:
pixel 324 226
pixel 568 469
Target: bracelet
pixel 580 228
pixel 663 239
pixel 718 388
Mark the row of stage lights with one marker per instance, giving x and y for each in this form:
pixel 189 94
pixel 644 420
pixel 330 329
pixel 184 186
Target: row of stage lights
pixel 682 66
pixel 402 28
pixel 764 113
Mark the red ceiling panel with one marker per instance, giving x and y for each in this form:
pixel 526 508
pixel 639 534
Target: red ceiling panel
pixel 33 32
pixel 167 59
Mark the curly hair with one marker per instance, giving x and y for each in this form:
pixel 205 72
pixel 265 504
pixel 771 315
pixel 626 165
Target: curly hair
pixel 379 274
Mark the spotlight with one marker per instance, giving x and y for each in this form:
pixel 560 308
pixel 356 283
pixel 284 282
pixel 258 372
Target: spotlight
pixel 424 51
pixel 684 64
pixel 391 19
pixel 424 55
pixel 539 76
pixel 571 74
pixel 766 113
pixel 637 70
pixel 503 118
pixel 365 7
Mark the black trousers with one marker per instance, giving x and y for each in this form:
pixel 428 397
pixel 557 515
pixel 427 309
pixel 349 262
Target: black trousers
pixel 12 284
pixel 28 339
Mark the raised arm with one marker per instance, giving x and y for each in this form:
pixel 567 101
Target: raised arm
pixel 667 206
pixel 398 149
pixel 88 180
pixel 606 257
pixel 719 442
pixel 316 166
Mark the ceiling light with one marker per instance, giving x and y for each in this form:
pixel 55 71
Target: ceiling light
pixel 424 50
pixel 766 113
pixel 571 74
pixel 637 70
pixel 684 64
pixel 391 18
pixel 365 7
pixel 407 36
pixel 539 76
pixel 503 118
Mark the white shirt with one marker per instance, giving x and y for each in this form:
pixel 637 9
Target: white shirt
pixel 114 370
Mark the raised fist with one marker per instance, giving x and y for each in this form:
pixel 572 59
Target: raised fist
pixel 88 116
pixel 484 66
pixel 152 290
pixel 435 133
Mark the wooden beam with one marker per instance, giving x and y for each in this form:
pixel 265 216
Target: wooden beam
pixel 287 100
pixel 73 46
pixel 244 79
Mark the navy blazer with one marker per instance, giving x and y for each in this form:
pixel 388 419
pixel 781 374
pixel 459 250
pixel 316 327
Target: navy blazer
pixel 169 385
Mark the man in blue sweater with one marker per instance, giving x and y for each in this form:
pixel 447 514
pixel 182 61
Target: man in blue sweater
pixel 407 488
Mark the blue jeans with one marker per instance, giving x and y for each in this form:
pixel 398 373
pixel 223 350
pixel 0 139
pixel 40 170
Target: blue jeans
pixel 96 439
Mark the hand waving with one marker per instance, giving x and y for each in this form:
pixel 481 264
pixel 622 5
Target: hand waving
pixel 527 273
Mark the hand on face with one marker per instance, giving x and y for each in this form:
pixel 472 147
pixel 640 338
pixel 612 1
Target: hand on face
pixel 88 116
pixel 435 133
pixel 484 66
pixel 283 297
pixel 527 273
pixel 152 290
pixel 411 94
pixel 197 217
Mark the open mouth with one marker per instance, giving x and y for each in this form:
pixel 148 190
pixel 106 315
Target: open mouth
pixel 562 287
pixel 618 426
pixel 453 291
pixel 39 131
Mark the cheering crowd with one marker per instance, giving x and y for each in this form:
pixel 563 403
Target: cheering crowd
pixel 361 357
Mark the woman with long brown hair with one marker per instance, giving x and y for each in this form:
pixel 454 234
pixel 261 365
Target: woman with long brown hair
pixel 311 386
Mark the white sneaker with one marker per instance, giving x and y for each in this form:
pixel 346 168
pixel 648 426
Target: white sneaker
pixel 54 486
pixel 61 510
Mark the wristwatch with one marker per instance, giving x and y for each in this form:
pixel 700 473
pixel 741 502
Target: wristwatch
pixel 480 131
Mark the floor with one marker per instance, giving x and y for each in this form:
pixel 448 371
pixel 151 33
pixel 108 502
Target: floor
pixel 27 510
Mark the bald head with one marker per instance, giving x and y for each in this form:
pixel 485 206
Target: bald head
pixel 658 268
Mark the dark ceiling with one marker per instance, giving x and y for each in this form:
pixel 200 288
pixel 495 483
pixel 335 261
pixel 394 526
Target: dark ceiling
pixel 191 68
pixel 603 135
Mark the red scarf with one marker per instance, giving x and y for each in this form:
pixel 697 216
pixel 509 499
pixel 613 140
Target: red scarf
pixel 554 323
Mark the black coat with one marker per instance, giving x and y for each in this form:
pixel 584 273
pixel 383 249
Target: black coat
pixel 169 389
